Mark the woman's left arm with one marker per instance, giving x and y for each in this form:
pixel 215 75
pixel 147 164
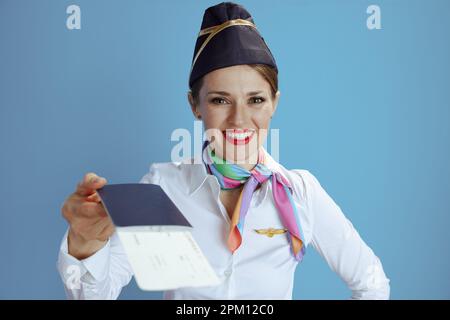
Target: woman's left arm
pixel 338 242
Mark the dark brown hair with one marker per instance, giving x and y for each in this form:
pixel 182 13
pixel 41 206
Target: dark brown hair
pixel 268 72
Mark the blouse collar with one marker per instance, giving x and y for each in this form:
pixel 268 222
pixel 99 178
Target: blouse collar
pixel 197 174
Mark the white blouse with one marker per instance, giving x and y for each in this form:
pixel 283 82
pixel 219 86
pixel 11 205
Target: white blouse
pixel 263 267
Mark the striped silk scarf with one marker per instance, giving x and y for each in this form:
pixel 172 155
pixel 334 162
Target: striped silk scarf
pixel 231 176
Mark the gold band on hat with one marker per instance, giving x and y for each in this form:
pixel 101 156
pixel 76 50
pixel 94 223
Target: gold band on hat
pixel 212 31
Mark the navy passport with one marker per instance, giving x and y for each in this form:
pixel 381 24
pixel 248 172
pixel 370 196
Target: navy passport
pixel 156 238
pixel 139 204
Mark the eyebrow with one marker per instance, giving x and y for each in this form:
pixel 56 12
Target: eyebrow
pixel 224 93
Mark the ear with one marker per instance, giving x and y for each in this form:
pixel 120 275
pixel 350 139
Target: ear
pixel 275 102
pixel 193 106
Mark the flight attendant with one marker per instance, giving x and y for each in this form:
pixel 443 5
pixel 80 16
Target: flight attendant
pixel 253 218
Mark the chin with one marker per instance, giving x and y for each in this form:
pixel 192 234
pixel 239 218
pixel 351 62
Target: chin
pixel 242 155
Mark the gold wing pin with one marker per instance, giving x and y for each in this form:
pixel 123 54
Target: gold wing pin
pixel 270 232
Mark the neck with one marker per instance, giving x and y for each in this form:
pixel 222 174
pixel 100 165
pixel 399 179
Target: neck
pixel 250 162
pixel 246 166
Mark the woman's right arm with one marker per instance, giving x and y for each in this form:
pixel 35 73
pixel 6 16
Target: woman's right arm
pixel 92 262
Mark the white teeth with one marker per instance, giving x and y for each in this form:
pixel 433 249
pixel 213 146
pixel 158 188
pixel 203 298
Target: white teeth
pixel 239 136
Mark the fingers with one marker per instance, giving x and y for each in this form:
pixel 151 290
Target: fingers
pixel 88 209
pixel 86 215
pixel 85 212
pixel 89 229
pixel 94 197
pixel 99 226
pixel 107 231
pixel 89 184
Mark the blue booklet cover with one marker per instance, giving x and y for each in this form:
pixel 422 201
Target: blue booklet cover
pixel 139 204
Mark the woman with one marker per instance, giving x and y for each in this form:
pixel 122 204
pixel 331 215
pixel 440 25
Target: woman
pixel 252 218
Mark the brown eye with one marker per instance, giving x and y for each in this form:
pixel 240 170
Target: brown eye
pixel 218 101
pixel 257 100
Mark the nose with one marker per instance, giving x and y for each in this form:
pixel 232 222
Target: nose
pixel 238 115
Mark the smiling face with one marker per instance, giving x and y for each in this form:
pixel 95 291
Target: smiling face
pixel 236 104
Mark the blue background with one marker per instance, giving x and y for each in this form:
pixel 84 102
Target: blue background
pixel 366 111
